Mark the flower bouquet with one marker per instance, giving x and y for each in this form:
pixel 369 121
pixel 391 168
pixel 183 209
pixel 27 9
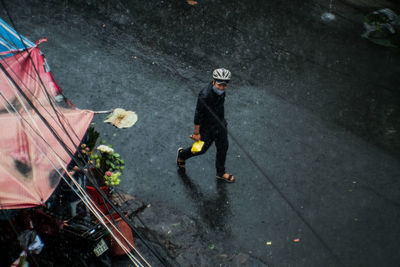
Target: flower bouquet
pixel 108 164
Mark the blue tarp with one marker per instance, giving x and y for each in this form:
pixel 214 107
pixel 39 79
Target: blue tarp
pixel 10 40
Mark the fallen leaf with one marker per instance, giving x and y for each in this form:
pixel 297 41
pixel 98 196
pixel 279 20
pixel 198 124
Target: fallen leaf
pixel 190 2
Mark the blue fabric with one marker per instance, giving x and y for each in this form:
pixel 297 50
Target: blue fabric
pixel 10 39
pixel 218 92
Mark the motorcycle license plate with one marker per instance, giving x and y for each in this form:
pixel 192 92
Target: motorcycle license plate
pixel 100 248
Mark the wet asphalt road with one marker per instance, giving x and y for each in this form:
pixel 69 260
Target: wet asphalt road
pixel 314 159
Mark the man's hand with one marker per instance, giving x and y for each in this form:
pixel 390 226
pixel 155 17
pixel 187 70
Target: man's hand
pixel 195 137
pixel 196 133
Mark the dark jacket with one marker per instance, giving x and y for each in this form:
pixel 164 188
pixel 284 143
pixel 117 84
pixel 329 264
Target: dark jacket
pixel 209 112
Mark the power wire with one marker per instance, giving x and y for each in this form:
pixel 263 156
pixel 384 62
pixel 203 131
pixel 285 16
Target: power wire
pixel 257 165
pixel 276 188
pixel 57 137
pixel 162 260
pixel 50 100
pixel 14 229
pixel 84 197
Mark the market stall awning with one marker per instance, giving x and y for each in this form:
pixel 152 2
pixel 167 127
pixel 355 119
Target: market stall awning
pixel 10 40
pixel 36 131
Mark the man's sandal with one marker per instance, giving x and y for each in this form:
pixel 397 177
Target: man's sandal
pixel 229 179
pixel 180 162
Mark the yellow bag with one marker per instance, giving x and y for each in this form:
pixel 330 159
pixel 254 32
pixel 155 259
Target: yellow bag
pixel 197 146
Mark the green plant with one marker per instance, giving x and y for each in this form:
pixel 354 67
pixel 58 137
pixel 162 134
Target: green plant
pixel 92 135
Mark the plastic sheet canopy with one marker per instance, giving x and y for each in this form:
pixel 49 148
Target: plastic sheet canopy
pixel 31 157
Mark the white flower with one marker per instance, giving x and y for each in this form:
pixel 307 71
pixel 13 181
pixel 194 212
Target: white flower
pixel 105 149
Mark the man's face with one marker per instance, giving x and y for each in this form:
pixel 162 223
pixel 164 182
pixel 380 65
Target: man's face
pixel 220 86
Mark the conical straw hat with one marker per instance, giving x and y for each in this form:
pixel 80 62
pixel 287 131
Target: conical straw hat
pixel 122 118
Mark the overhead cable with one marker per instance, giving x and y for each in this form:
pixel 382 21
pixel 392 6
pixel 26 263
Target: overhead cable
pixel 81 193
pixel 162 260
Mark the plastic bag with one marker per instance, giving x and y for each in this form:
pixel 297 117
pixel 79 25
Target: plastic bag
pixel 382 27
pixel 197 146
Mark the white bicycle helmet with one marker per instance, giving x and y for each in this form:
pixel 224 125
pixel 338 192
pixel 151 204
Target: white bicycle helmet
pixel 222 75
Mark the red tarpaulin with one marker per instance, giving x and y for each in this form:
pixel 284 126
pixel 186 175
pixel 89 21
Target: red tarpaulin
pixel 29 152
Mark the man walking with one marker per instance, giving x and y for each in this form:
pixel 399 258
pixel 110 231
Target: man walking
pixel 210 124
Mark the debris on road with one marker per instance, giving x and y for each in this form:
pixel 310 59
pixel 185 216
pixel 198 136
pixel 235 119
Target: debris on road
pixel 190 2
